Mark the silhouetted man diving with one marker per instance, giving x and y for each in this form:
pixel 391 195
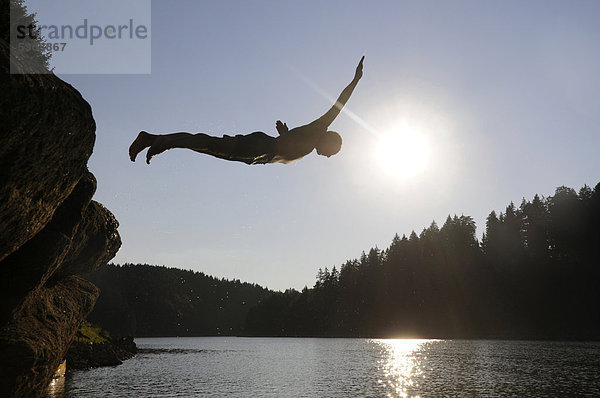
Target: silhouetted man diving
pixel 257 147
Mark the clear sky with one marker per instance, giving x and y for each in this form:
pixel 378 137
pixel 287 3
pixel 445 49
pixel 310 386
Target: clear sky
pixel 490 102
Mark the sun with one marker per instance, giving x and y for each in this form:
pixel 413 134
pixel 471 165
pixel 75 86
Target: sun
pixel 404 152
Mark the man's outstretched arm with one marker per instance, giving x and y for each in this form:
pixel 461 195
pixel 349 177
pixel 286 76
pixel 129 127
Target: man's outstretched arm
pixel 335 110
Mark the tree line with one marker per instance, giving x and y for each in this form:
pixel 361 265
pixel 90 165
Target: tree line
pixel 145 300
pixel 533 275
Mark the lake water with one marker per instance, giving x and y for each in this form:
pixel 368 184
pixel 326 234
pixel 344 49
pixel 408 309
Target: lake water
pixel 294 367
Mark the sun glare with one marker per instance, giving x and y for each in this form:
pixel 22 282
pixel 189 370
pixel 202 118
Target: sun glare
pixel 401 366
pixel 403 152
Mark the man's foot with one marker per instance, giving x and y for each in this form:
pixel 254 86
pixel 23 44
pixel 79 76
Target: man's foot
pixel 143 140
pixel 158 146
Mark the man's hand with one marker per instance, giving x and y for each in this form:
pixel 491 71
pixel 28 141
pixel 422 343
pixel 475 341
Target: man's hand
pixel 282 128
pixel 359 69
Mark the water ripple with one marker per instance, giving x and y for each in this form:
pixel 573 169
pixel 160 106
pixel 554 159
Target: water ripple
pixel 219 367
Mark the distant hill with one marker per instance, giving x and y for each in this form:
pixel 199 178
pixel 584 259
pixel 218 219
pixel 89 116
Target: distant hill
pixel 145 300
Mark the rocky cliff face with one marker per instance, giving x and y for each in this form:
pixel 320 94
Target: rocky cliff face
pixel 50 228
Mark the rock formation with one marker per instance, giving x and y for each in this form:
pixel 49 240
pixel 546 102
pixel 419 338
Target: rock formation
pixel 83 355
pixel 50 228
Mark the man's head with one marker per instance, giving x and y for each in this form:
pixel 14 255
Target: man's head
pixel 329 144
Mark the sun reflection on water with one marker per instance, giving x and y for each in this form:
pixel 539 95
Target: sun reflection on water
pixel 56 388
pixel 399 365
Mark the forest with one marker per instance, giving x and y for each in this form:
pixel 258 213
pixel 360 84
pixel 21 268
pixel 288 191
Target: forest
pixel 533 275
pixel 149 301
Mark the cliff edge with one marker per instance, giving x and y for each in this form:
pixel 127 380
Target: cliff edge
pixel 50 228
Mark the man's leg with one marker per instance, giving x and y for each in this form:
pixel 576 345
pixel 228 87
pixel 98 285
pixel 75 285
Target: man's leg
pixel 159 143
pixel 197 142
